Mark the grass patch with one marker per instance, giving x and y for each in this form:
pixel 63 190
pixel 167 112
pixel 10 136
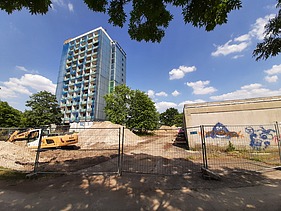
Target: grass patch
pixel 8 174
pixel 230 147
pixel 258 159
pixel 190 157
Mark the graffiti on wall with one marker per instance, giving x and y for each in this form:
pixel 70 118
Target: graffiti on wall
pixel 260 138
pixel 221 131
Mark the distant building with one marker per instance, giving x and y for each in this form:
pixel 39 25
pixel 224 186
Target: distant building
pixel 252 111
pixel 92 64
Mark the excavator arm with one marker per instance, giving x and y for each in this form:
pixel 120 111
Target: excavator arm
pixel 18 135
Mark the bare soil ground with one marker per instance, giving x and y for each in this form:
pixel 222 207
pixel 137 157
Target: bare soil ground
pixel 81 190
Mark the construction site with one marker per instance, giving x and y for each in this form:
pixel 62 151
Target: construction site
pixel 110 165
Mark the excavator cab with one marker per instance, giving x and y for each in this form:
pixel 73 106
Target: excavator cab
pixel 33 138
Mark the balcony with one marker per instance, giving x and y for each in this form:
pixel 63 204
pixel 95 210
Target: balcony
pixel 88 118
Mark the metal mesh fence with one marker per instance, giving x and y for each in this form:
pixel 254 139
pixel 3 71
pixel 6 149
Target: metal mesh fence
pixel 221 148
pixel 97 151
pixel 159 152
pixel 252 148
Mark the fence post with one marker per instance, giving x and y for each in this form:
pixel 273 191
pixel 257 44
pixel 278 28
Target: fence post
pixel 119 152
pixel 186 138
pixel 278 139
pixel 122 150
pixel 38 152
pixel 204 150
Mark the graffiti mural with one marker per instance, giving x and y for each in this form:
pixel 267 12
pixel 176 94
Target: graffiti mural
pixel 221 131
pixel 260 138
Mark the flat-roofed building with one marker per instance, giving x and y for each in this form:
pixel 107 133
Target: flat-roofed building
pixel 92 64
pixel 252 111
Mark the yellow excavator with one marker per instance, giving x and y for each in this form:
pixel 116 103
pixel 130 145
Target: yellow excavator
pixel 32 136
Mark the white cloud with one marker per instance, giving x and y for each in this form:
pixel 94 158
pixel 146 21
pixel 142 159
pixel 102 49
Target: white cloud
pixel 271 79
pixel 26 85
pixel 228 48
pixel 258 28
pixel 14 84
pixel 180 72
pixel 240 43
pixel 163 106
pixel 237 56
pixel 63 4
pixel 201 88
pixel 22 68
pixel 162 94
pixel 247 91
pixel 58 2
pixel 151 93
pixel 175 93
pixel 70 7
pixel 272 73
pixel 276 69
pixel 243 38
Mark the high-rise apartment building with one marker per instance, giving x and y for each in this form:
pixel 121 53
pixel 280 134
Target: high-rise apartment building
pixel 92 64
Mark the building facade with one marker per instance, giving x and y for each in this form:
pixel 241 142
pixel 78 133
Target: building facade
pixel 91 65
pixel 252 111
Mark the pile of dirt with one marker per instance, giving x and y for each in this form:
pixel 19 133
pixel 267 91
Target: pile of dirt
pixel 164 129
pixel 105 133
pixel 16 157
pixel 102 136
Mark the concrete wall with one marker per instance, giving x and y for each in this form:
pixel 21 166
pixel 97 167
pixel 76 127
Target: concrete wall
pixel 253 111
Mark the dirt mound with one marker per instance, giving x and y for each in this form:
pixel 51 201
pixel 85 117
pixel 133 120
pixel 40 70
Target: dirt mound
pixel 102 136
pixel 105 133
pixel 165 127
pixel 16 157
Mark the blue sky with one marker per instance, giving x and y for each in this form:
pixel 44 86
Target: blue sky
pixel 190 65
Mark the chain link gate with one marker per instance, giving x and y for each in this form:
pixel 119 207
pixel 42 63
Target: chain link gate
pixel 158 153
pixel 240 148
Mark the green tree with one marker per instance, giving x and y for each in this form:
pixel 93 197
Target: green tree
pixel 9 117
pixel 131 108
pixel 44 110
pixel 143 114
pixel 148 19
pixel 117 104
pixel 179 120
pixel 169 117
pixel 271 45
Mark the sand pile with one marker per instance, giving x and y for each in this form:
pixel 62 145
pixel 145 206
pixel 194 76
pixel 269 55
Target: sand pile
pixel 16 157
pixel 170 130
pixel 105 133
pixel 165 127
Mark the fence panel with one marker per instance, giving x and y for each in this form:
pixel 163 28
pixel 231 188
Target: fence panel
pixel 97 151
pixel 163 151
pixel 252 148
pixel 158 153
